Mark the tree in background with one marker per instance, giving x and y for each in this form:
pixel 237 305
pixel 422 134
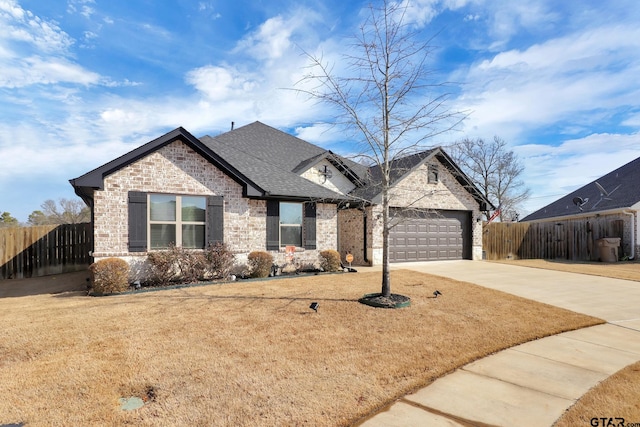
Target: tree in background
pixel 386 97
pixel 6 220
pixel 66 211
pixel 496 170
pixel 37 218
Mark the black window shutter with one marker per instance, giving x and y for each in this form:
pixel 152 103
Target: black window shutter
pixel 215 219
pixel 273 225
pixel 137 221
pixel 309 226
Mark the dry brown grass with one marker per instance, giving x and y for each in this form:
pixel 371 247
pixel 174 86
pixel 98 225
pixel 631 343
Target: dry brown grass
pixel 250 353
pixel 618 270
pixel 615 397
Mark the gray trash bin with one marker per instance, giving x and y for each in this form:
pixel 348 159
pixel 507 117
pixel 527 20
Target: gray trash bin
pixel 608 248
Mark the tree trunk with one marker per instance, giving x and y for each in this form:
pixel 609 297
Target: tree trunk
pixel 386 277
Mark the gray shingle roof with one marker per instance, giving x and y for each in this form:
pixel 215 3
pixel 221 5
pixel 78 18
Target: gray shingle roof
pixel 272 158
pixel 622 184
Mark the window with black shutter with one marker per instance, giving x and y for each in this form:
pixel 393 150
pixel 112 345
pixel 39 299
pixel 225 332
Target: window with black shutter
pixel 159 220
pixel 291 224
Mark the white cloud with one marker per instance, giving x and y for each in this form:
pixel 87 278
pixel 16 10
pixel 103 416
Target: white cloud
pixel 279 35
pixel 319 133
pixel 221 83
pixel 21 25
pixel 509 18
pixel 36 70
pixel 567 78
pixel 83 5
pixel 36 51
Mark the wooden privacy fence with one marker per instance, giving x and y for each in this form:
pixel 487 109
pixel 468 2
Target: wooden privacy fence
pixel 43 250
pixel 567 239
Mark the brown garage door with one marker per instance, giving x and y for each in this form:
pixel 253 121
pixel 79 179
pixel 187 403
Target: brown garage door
pixel 444 235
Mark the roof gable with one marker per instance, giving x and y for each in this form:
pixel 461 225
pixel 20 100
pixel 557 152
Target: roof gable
pixel 404 166
pixel 85 184
pixel 616 190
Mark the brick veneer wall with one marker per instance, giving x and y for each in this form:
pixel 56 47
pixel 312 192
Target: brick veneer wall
pixel 177 169
pixel 351 229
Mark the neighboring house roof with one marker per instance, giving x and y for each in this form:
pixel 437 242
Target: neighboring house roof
pixel 616 190
pixel 400 168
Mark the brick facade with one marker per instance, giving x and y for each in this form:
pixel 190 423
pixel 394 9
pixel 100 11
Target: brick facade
pixel 177 169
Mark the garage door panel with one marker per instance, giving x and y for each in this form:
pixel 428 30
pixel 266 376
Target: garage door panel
pixel 441 237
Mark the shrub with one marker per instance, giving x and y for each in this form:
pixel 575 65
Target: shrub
pixel 176 265
pixel 162 267
pixel 260 263
pixel 220 260
pixel 239 270
pixel 109 275
pixel 191 265
pixel 330 260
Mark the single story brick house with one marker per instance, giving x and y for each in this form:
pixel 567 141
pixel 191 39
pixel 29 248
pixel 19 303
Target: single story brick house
pixel 258 188
pixel 605 207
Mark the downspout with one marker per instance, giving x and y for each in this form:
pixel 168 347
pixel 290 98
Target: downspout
pixel 633 233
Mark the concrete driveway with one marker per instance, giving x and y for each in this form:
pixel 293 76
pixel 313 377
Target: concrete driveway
pixel 534 383
pixel 614 300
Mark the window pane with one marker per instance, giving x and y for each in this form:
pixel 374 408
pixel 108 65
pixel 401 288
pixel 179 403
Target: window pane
pixel 163 207
pixel 290 213
pixel 162 235
pixel 193 236
pixel 193 209
pixel 290 235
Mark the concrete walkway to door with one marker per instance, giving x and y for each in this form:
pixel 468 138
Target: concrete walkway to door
pixel 534 383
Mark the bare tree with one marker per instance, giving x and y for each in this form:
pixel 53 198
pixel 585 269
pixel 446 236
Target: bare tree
pixel 387 98
pixel 496 170
pixel 66 211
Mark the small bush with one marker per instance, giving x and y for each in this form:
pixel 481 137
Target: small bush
pixel 162 267
pixel 260 263
pixel 330 260
pixel 191 265
pixel 177 265
pixel 239 271
pixel 109 275
pixel 220 260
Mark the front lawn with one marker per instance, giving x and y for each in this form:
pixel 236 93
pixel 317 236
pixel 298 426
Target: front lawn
pixel 250 353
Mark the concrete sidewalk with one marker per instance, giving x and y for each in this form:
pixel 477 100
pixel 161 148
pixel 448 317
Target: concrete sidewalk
pixel 534 383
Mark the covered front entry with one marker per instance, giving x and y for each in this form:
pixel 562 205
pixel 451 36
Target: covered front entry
pixel 430 236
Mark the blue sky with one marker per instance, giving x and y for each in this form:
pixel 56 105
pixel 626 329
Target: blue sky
pixel 84 81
